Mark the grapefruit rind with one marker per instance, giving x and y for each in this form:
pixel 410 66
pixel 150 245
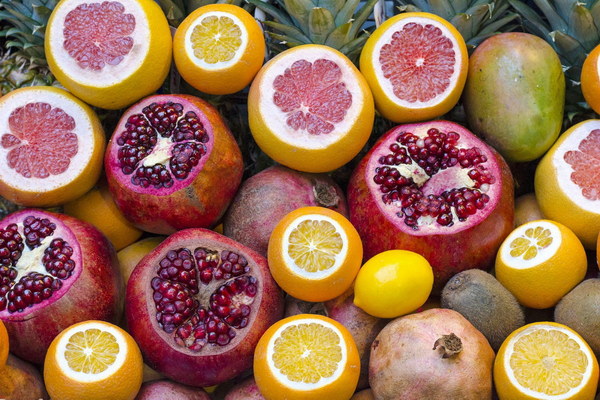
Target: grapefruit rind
pixel 300 150
pixel 559 198
pixel 140 73
pixel 543 255
pixel 84 168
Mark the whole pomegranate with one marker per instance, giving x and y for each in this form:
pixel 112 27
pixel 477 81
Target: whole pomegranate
pixel 55 271
pixel 245 390
pixel 172 163
pixel 198 304
pixel 435 355
pixel 436 189
pixel 165 389
pixel 265 198
pixel 20 380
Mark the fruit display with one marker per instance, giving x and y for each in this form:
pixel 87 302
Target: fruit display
pixel 299 199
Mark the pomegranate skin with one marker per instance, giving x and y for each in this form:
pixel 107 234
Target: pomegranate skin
pixel 404 364
pixel 474 246
pixel 167 390
pixel 213 364
pixel 265 198
pixel 95 294
pixel 245 390
pixel 203 201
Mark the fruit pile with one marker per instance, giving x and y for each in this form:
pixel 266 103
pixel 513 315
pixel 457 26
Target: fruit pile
pixel 299 199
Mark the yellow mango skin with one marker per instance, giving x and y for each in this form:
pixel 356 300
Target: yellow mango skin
pixel 514 97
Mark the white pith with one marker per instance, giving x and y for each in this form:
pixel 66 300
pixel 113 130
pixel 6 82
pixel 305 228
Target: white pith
pixel 318 274
pixel 276 120
pixel 83 130
pixel 543 255
pixel 302 385
pixel 161 153
pixel 221 64
pixel 111 74
pixel 31 260
pixel 564 170
pixel 542 396
pixel 385 83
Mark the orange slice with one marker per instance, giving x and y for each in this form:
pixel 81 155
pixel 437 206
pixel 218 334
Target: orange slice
pixel 416 65
pixel 314 253
pixel 93 360
pixel 539 262
pixel 219 48
pixel 545 361
pixel 567 181
pixel 51 147
pixel 109 53
pixel 310 109
pixel 306 357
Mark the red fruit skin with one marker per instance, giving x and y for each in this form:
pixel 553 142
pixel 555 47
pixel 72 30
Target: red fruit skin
pixel 202 203
pixel 474 247
pixel 265 198
pixel 159 349
pixel 94 295
pixel 167 390
pixel 404 364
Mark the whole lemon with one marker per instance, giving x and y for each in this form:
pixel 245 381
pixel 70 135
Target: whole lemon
pixel 393 283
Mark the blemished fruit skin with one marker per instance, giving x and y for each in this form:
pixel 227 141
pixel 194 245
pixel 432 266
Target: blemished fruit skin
pixel 20 380
pixel 515 95
pixel 168 390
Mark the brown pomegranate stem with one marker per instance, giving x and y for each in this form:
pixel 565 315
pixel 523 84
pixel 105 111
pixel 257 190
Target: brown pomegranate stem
pixel 325 194
pixel 450 344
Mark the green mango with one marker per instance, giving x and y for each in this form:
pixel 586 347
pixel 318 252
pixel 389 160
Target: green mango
pixel 515 95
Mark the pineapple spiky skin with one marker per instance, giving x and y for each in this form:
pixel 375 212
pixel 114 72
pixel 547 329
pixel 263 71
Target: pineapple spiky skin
pixel 17 71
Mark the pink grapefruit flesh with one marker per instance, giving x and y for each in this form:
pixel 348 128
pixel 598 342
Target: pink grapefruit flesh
pixel 586 165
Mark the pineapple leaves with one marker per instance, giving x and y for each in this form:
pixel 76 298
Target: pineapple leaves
pixel 595 11
pixel 582 27
pixel 272 11
pixel 289 31
pixel 361 16
pixel 556 21
pixel 334 6
pixel 346 12
pixel 174 11
pixel 320 24
pixel 299 10
pixel 339 36
pixel 468 24
pixel 443 8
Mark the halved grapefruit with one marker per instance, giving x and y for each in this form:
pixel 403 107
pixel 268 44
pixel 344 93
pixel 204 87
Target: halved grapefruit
pixel 109 53
pixel 51 146
pixel 416 65
pixel 310 109
pixel 567 181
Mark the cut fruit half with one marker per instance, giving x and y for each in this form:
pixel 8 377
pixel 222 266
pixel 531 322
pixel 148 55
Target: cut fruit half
pixel 109 53
pixel 540 262
pixel 416 65
pixel 93 360
pixel 314 253
pixel 306 357
pixel 51 147
pixel 219 48
pixel 310 109
pixel 567 181
pixel 545 361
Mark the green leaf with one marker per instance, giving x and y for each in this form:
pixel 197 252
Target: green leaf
pixel 564 7
pixel 556 22
pixel 582 27
pixel 346 12
pixel 320 24
pixel 294 34
pixel 469 24
pixel 595 11
pixel 443 8
pixel 283 39
pixel 361 16
pixel 334 6
pixel 499 25
pixel 568 47
pixel 272 11
pixel 299 11
pixel 339 36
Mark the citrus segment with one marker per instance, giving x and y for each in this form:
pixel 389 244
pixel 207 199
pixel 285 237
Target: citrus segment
pixel 51 146
pixel 219 48
pixel 306 357
pixel 545 360
pixel 93 360
pixel 566 181
pixel 310 109
pixel 416 65
pixel 314 253
pixel 109 53
pixel 539 262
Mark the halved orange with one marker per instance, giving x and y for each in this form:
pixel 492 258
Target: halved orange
pixel 416 65
pixel 567 181
pixel 306 357
pixel 110 53
pixel 310 109
pixel 545 361
pixel 219 48
pixel 93 360
pixel 314 253
pixel 51 147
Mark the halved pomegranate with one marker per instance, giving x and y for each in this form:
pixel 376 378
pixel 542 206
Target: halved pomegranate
pixel 54 271
pixel 172 164
pixel 436 189
pixel 198 304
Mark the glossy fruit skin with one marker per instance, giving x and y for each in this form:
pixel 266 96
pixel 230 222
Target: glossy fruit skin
pixel 95 294
pixel 159 349
pixel 590 80
pixel 448 254
pixel 515 94
pixel 200 204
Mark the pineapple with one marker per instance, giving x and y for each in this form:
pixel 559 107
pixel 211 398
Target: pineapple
pixel 177 10
pixel 335 23
pixel 572 27
pixel 476 20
